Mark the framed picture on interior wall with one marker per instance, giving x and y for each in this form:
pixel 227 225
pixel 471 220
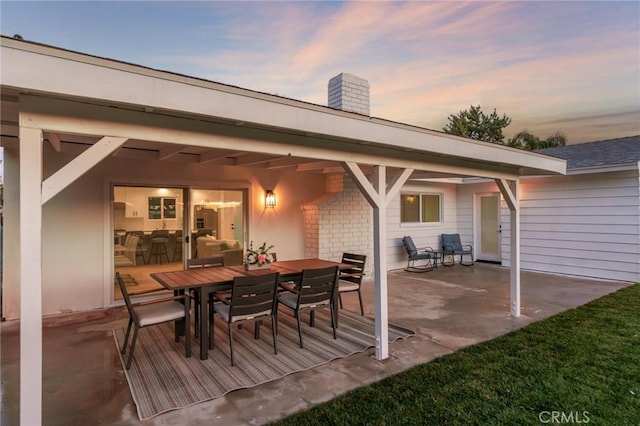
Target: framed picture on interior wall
pixel 169 208
pixel 155 208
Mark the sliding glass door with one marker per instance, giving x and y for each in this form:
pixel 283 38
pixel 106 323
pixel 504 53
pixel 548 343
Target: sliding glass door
pixel 148 233
pixel 151 233
pixel 218 224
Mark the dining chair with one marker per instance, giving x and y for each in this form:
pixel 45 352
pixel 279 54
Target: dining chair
pixel 141 247
pixel 206 262
pixel 152 312
pixel 350 279
pixel 316 291
pixel 126 256
pixel 253 299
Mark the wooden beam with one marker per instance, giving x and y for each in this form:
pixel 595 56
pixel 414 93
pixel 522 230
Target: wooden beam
pixel 314 165
pixel 55 141
pixel 367 189
pixel 287 162
pixel 218 155
pixel 396 184
pixel 79 166
pixel 333 170
pixel 254 159
pixel 507 193
pixel 167 153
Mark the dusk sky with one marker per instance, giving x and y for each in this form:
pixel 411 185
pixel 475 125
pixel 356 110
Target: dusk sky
pixel 567 66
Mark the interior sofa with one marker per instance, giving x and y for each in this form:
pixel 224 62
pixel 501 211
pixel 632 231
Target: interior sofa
pixel 231 250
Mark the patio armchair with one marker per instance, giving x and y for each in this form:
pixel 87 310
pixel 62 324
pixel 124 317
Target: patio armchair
pixel 253 299
pixel 451 246
pixel 152 312
pixel 350 280
pixel 415 254
pixel 316 291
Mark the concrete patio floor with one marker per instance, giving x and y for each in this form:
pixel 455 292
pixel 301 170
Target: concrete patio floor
pixel 449 308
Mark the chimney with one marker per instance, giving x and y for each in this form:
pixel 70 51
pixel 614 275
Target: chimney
pixel 349 93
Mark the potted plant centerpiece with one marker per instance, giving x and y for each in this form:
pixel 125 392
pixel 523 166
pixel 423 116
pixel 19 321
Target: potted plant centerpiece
pixel 258 258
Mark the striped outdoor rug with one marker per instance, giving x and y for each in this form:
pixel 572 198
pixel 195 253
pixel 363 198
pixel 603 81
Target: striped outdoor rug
pixel 161 379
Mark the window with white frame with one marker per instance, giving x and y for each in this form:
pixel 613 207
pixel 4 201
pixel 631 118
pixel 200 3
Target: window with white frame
pixel 420 208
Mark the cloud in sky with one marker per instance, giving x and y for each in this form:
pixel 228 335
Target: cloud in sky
pixel 568 66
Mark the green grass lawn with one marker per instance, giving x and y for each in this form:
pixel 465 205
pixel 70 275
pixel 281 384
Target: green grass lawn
pixel 583 364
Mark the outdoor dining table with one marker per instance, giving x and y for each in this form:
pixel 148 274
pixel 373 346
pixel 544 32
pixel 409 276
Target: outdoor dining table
pixel 215 279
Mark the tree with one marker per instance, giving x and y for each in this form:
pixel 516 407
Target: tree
pixel 524 140
pixel 475 124
pixel 556 139
pixel 530 142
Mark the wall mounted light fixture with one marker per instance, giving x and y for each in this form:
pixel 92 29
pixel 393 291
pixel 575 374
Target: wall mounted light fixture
pixel 270 198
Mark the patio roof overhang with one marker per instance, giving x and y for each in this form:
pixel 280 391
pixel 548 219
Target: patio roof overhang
pixel 177 118
pixel 98 107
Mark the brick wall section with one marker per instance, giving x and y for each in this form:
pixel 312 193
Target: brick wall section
pixel 346 225
pixel 311 231
pixel 340 221
pixel 349 93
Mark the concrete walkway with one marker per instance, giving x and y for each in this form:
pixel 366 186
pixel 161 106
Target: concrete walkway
pixel 449 308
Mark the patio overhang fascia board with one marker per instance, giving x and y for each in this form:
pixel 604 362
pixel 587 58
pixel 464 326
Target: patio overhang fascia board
pixel 28 67
pixel 67 117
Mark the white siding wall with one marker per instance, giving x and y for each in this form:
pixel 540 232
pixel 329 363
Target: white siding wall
pixel 422 234
pixel 346 224
pixel 465 219
pixel 583 225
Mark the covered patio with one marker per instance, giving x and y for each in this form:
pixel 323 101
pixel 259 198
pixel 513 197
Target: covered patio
pixel 69 142
pixel 449 308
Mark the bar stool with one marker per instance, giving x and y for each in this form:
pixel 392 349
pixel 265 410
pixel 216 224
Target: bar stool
pixel 159 239
pixel 177 250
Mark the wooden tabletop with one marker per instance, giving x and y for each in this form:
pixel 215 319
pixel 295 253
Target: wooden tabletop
pixel 222 277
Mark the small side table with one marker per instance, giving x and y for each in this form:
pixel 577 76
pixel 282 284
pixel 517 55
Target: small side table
pixel 438 255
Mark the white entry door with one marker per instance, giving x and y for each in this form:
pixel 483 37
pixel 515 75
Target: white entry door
pixel 488 227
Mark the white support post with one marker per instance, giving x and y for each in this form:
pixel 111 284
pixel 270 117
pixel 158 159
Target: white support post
pixel 515 254
pixel 511 194
pixel 379 195
pixel 30 276
pixel 380 265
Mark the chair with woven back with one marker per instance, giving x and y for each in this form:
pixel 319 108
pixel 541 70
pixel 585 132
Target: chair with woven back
pixel 253 299
pixel 153 312
pixel 316 290
pixel 350 279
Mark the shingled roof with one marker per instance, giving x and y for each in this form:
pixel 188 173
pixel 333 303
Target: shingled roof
pixel 612 152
